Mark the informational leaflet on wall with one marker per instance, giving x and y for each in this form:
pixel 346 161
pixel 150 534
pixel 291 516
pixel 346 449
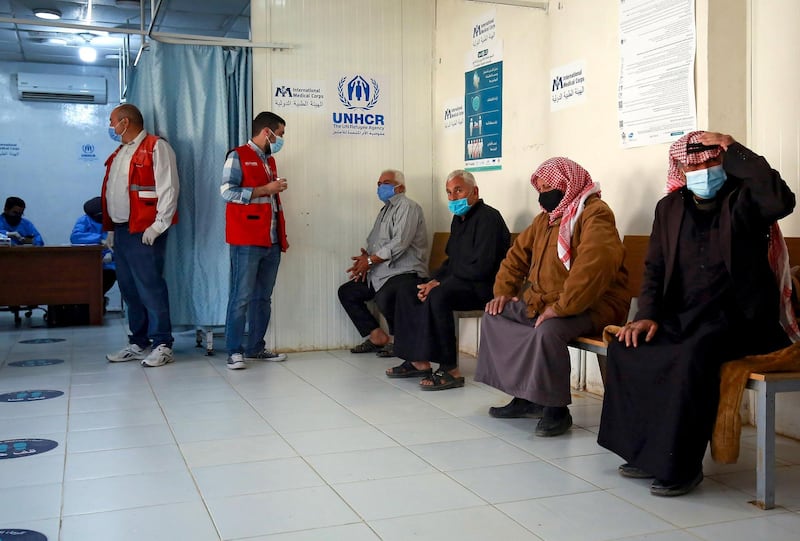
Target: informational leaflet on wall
pixel 362 107
pixel 308 96
pixel 568 85
pixel 656 100
pixel 483 99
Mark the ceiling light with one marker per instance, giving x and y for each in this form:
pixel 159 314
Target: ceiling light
pixel 87 54
pixel 49 14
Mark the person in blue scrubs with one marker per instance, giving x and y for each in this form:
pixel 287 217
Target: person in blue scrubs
pixel 17 228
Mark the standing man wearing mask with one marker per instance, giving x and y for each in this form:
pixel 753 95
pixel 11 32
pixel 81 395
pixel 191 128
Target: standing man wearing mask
pixel 140 200
pixel 563 278
pixel 17 228
pixel 424 326
pixel 394 260
pixel 715 269
pixel 255 229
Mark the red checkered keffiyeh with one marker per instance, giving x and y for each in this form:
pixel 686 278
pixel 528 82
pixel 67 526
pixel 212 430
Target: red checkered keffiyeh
pixel 678 155
pixel 778 253
pixel 576 183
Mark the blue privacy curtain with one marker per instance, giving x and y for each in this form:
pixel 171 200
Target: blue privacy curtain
pixel 199 98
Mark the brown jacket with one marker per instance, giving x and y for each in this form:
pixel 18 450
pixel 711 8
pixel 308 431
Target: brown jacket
pixel 596 281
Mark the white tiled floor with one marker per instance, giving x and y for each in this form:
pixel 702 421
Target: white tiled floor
pixel 324 448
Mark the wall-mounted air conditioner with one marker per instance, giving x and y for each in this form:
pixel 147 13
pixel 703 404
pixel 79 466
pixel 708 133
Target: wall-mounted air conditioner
pixel 61 88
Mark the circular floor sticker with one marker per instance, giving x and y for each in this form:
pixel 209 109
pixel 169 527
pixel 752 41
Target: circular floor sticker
pixel 16 534
pixel 29 396
pixel 35 362
pixel 20 448
pixel 41 340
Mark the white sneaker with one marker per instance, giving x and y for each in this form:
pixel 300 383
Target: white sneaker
pixel 131 352
pixel 236 362
pixel 159 356
pixel 266 355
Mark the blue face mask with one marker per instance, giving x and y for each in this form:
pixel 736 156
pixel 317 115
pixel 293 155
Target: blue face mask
pixel 112 133
pixel 275 147
pixel 705 183
pixel 385 192
pixel 459 207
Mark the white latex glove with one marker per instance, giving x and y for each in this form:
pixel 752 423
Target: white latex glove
pixel 149 236
pixel 109 242
pixel 14 235
pixel 107 258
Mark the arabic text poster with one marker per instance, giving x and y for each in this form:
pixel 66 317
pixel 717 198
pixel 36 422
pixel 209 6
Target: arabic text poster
pixel 483 117
pixel 567 85
pixel 656 101
pixel 308 96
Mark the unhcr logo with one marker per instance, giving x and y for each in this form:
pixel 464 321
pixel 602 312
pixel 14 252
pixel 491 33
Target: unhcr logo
pixel 357 93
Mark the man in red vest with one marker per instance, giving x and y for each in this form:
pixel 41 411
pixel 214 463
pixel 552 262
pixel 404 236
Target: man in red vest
pixel 255 229
pixel 140 198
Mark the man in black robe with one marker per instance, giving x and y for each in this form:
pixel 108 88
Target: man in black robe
pixel 424 325
pixel 709 295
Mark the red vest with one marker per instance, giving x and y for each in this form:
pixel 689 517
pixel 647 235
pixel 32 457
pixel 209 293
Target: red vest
pixel 141 188
pixel 250 225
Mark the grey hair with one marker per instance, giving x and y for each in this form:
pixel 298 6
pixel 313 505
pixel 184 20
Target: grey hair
pixel 469 178
pixel 397 175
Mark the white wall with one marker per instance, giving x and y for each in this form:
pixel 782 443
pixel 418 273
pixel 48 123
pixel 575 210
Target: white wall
pixel 49 173
pixel 331 202
pixel 775 124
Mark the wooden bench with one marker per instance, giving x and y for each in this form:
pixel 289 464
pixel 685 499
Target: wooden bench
pixel 764 385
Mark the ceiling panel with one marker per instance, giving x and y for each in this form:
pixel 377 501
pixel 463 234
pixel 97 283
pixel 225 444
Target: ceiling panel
pixel 45 42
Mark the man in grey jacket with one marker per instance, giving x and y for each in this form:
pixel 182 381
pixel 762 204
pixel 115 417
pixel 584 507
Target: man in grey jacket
pixel 394 259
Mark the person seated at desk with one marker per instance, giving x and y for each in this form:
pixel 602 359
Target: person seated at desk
pixel 89 230
pixel 424 326
pixel 562 278
pixel 17 228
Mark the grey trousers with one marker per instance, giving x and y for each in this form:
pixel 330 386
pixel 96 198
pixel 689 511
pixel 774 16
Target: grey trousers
pixel 527 362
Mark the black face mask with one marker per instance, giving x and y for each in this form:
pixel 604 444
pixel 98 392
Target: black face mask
pixel 13 221
pixel 550 200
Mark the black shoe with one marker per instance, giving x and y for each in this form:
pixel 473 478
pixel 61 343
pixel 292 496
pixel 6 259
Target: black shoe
pixel 554 422
pixel 628 470
pixel 518 407
pixel 669 489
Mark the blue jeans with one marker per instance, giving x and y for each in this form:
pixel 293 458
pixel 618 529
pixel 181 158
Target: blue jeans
pixel 140 274
pixel 253 273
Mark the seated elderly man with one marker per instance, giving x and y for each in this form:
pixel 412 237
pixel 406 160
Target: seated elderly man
pixel 424 326
pixel 709 295
pixel 562 278
pixel 17 228
pixel 393 260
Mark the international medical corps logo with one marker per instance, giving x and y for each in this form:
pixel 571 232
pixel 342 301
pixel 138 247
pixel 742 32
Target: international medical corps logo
pixel 358 93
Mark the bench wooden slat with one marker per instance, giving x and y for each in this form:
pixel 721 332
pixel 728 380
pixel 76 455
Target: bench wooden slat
pixel 774 376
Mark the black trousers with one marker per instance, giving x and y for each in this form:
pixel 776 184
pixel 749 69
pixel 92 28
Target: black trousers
pixel 355 295
pixel 425 331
